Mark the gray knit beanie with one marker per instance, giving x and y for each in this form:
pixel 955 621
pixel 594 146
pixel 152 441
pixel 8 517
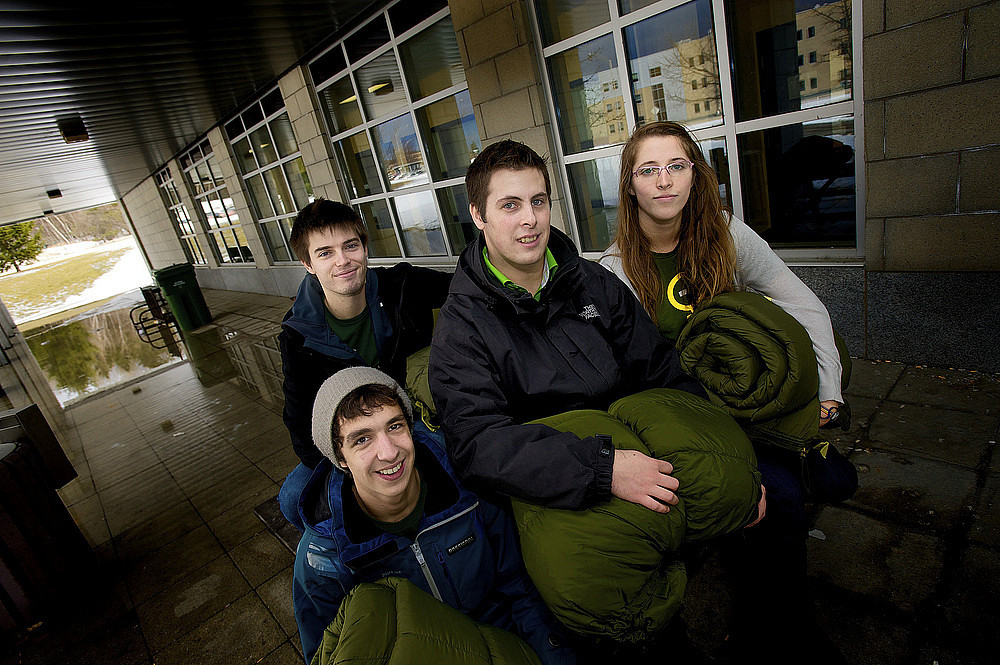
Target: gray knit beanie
pixel 334 390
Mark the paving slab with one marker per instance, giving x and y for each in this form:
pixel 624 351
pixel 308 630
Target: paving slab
pixel 279 465
pixel 276 594
pixel 867 633
pixel 172 562
pixel 978 392
pixel 261 557
pixel 237 635
pixel 189 602
pixel 285 654
pixel 258 446
pixel 913 489
pixel 875 558
pixel 232 489
pixel 986 521
pixel 89 516
pixel 958 437
pixel 149 536
pixel 873 378
pixel 971 608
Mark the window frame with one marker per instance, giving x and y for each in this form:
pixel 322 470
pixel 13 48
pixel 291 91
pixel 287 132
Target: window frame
pixel 727 129
pixel 165 181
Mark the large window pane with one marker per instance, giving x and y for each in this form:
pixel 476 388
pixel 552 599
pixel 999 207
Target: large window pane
pixel 358 163
pixel 798 183
pixel 299 181
pixel 458 222
pixel 594 188
pixel 418 221
pixel 675 74
pixel 380 86
pixel 399 153
pixel 788 55
pixel 262 146
pixel 381 236
pixel 258 195
pixel 431 60
pixel 284 139
pixel 275 242
pixel 560 19
pixel 281 197
pixel 585 85
pixel 449 127
pixel 244 155
pixel 715 152
pixel 341 106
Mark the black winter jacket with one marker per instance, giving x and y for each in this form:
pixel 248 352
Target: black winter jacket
pixel 401 300
pixel 500 359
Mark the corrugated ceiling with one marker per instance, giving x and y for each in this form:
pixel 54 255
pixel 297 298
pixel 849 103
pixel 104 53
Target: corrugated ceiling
pixel 147 79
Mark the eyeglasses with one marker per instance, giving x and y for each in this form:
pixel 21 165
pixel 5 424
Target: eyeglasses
pixel 674 169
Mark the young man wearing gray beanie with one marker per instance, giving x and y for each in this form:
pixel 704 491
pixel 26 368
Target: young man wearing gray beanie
pixel 385 501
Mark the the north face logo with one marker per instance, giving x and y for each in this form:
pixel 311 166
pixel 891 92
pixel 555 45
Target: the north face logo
pixel 590 312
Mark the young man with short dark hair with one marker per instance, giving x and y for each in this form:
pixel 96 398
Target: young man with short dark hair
pixel 530 329
pixel 385 501
pixel 345 314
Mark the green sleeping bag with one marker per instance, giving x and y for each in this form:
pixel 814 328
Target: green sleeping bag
pixel 756 361
pixel 392 622
pixel 612 571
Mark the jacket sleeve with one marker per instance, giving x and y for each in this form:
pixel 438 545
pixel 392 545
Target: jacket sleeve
pixel 532 619
pixel 489 448
pixel 300 384
pixel 761 270
pixel 316 598
pixel 647 360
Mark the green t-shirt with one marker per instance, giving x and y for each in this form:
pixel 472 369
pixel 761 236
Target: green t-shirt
pixel 357 333
pixel 548 270
pixel 673 310
pixel 409 526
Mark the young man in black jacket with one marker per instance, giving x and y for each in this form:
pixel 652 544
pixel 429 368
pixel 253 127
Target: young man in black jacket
pixel 530 329
pixel 345 314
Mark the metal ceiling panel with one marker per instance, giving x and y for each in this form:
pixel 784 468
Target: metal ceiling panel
pixel 146 79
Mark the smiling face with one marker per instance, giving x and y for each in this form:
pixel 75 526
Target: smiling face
pixel 378 452
pixel 661 200
pixel 515 224
pixel 339 260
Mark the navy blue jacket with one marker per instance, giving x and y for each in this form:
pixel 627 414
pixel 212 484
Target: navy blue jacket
pixel 465 554
pixel 401 300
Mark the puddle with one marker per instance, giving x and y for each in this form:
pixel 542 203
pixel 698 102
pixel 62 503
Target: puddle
pixel 89 354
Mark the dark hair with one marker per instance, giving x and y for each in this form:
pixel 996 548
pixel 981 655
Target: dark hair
pixel 363 401
pixel 706 256
pixel 320 215
pixel 504 154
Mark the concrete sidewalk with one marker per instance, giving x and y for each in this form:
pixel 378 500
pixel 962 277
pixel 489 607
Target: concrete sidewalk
pixel 172 466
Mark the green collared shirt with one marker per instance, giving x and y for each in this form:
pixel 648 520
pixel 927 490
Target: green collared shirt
pixel 547 270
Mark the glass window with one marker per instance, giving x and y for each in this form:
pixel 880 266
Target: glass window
pixel 594 189
pixel 765 49
pixel 560 19
pixel 450 128
pixel 381 87
pixel 284 139
pixel 275 241
pixel 458 222
pixel 431 60
pixel 382 241
pixel 340 105
pixel 302 190
pixel 261 201
pixel 281 196
pixel 263 147
pixel 367 39
pixel 399 153
pixel 216 207
pixel 405 15
pixel 669 43
pixel 244 155
pixel 358 163
pixel 419 224
pixel 179 216
pixel 579 76
pixel 798 183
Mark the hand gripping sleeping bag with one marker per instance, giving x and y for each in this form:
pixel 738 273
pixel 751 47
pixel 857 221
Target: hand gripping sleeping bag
pixel 756 361
pixel 612 570
pixel 393 622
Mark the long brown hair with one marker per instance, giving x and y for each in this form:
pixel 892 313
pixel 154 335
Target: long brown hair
pixel 706 256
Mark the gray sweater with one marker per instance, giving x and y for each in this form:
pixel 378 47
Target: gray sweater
pixel 759 269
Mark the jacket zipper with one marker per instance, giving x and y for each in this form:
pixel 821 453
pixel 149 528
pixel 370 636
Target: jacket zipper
pixel 447 576
pixel 418 553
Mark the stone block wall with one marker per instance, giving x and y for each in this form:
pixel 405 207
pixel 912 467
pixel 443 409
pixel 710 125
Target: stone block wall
pixel 308 130
pixel 494 38
pixel 151 224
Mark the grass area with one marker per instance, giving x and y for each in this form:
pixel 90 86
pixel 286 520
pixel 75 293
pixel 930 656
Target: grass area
pixel 51 284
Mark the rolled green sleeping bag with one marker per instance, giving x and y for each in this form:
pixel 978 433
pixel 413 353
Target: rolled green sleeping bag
pixel 393 622
pixel 612 570
pixel 756 361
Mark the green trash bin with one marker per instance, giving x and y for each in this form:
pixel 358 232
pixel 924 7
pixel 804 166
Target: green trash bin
pixel 181 291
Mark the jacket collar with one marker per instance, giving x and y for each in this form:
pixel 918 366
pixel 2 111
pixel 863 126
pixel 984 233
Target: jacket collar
pixel 473 279
pixel 342 526
pixel 307 316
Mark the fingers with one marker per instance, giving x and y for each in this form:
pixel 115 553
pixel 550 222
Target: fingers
pixel 653 504
pixel 664 466
pixel 664 496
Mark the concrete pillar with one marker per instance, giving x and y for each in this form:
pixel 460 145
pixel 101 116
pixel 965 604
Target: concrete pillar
pixel 313 142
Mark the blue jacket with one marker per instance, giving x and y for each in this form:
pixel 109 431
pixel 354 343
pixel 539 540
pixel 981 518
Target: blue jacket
pixel 465 554
pixel 401 301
